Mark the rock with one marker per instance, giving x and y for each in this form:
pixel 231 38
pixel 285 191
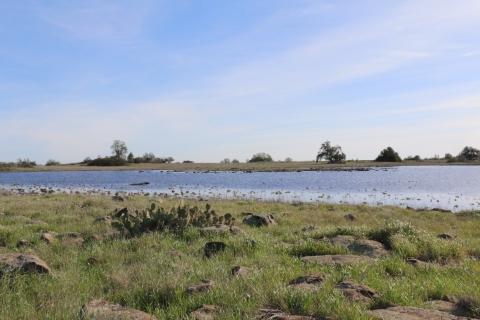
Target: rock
pixel 446 236
pixel 447 306
pixel 336 259
pixel 93 260
pixel 125 210
pixel 314 280
pixel 105 219
pixel 280 315
pixel 73 241
pixel 102 310
pixel 350 217
pixel 205 312
pixel 450 298
pixel 22 262
pixel 118 198
pixel 418 263
pixel 237 230
pixel 261 219
pixel 355 292
pixel 373 249
pixel 218 228
pixel 24 243
pixel 413 313
pixel 340 240
pixel 48 238
pixel 212 248
pixel 203 286
pixel 240 271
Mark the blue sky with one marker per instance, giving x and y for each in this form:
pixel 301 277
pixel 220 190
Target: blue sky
pixel 206 80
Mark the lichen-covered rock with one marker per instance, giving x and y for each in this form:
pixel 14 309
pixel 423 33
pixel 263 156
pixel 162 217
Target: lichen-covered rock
pixel 104 310
pixel 414 313
pixel 350 217
pixel 48 238
pixel 313 280
pixel 203 286
pixel 418 263
pixel 218 228
pixel 11 262
pixel 205 312
pixel 340 240
pixel 23 243
pixel 105 219
pixel 355 291
pixel 240 271
pixel 373 249
pixel 260 220
pixel 336 259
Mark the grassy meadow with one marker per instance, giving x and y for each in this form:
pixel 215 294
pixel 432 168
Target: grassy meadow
pixel 147 272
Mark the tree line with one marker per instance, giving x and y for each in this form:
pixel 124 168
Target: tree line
pixel 334 154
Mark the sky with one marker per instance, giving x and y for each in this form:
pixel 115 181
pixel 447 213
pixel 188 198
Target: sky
pixel 208 80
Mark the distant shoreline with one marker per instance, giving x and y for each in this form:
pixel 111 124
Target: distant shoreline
pixel 246 167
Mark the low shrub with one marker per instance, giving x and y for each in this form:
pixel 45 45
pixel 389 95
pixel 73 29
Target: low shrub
pixel 107 161
pixel 52 162
pixel 25 163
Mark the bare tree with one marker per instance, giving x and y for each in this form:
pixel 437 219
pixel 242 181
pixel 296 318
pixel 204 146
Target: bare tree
pixel 119 149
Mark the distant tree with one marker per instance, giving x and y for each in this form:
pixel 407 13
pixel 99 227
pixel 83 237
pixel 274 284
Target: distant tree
pixel 388 155
pixel 288 159
pixel 469 153
pixel 25 163
pixel 226 160
pixel 187 161
pixel 52 162
pixel 415 158
pixel 448 156
pixel 130 157
pixel 169 160
pixel 261 157
pixel 333 154
pixel 235 161
pixel 86 160
pixel 119 149
pixel 148 157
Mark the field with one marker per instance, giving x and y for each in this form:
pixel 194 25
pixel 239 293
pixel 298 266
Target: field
pixel 255 166
pixel 152 272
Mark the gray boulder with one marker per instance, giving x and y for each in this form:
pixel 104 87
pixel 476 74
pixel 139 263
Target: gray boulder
pixel 104 310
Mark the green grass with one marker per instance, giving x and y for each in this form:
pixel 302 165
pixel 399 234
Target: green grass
pixel 141 273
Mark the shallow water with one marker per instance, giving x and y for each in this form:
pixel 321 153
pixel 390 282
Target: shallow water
pixel 448 187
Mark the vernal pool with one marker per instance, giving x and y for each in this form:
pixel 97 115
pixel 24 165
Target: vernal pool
pixel 447 187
